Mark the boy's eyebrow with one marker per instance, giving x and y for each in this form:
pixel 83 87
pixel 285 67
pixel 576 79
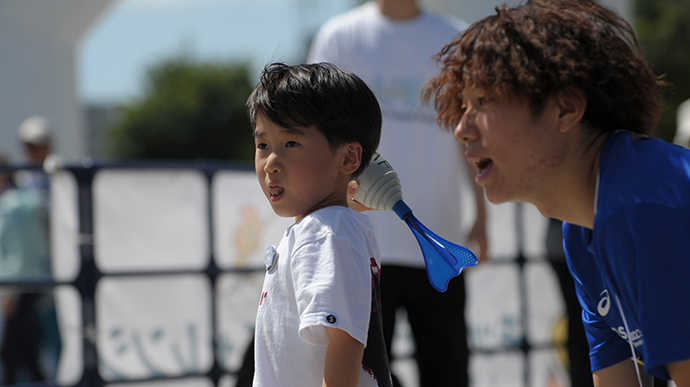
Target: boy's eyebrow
pixel 291 130
pixel 294 130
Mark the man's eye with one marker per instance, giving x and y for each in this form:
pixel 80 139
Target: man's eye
pixel 291 144
pixel 483 100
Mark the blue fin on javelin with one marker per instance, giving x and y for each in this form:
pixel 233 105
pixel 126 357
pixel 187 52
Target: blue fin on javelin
pixel 444 260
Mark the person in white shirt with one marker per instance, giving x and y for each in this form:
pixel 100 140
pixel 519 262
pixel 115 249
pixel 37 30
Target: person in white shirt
pixel 390 44
pixel 318 323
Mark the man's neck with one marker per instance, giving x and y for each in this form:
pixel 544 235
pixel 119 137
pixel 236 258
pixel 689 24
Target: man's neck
pixel 399 9
pixel 574 195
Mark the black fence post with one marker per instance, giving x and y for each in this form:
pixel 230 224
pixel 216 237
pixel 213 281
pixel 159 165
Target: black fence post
pixel 88 277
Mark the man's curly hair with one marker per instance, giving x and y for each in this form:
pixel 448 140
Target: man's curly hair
pixel 546 46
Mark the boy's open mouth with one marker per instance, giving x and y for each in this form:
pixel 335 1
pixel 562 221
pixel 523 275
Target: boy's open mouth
pixel 275 190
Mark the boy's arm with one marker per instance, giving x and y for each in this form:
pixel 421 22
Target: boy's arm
pixel 343 359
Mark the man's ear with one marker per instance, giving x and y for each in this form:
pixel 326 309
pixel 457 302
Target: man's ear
pixel 572 104
pixel 351 157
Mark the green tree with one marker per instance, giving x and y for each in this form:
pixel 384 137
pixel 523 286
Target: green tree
pixel 189 110
pixel 663 27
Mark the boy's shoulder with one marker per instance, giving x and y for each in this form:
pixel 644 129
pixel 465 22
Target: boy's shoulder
pixel 333 219
pixel 335 223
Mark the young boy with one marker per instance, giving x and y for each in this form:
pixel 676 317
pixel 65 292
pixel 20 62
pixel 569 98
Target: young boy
pixel 554 104
pixel 318 323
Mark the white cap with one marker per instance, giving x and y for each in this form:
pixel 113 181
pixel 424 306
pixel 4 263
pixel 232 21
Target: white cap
pixel 683 128
pixel 35 131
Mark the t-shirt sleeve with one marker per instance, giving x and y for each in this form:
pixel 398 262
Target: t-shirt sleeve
pixel 606 348
pixel 332 288
pixel 658 237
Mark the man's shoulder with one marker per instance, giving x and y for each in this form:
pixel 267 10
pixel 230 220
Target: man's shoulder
pixel 446 21
pixel 628 158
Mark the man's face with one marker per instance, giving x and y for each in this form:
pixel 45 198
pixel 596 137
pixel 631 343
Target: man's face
pixel 513 151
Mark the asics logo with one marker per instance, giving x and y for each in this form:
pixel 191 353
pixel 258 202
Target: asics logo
pixel 604 304
pixel 635 336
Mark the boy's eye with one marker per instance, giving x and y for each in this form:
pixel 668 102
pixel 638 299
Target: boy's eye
pixel 291 144
pixel 261 146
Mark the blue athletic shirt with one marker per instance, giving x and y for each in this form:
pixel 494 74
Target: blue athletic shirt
pixel 638 254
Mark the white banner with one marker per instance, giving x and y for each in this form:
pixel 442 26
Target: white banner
pixel 162 220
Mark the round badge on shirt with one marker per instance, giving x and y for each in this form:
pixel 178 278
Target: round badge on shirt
pixel 270 258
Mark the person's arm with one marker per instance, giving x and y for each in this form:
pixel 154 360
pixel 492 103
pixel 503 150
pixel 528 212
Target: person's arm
pixel 621 374
pixel 343 359
pixel 680 372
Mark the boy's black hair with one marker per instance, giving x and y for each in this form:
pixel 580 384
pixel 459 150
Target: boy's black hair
pixel 336 102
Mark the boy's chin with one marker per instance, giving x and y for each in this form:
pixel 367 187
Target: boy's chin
pixel 285 213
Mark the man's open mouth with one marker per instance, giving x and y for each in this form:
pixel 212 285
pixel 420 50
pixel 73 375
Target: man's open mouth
pixel 482 164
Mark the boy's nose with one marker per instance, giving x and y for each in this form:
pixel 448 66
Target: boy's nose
pixel 272 164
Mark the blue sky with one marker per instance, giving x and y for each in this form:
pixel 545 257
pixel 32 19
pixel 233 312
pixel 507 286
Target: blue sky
pixel 132 34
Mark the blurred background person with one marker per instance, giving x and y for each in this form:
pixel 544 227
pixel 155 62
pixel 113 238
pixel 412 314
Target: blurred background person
pixel 6 181
pixel 390 45
pixel 576 341
pixel 30 331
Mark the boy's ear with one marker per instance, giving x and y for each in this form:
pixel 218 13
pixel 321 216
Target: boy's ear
pixel 572 103
pixel 352 157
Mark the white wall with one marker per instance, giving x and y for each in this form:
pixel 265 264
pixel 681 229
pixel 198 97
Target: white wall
pixel 38 39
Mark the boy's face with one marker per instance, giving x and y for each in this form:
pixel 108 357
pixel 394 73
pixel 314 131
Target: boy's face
pixel 297 170
pixel 514 152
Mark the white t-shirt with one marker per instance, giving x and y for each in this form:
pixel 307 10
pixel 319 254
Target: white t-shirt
pixel 395 58
pixel 322 276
